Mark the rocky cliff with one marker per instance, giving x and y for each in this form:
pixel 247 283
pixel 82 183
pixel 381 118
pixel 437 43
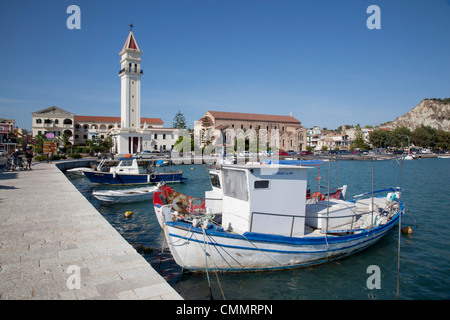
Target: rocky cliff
pixel 430 112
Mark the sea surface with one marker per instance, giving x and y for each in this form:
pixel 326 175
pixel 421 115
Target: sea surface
pixel 424 255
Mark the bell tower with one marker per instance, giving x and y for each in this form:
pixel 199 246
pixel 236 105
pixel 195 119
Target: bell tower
pixel 130 74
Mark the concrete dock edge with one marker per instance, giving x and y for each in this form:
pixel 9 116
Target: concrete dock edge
pixel 52 249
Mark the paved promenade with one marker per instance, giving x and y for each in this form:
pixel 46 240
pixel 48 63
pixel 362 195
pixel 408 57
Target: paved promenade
pixel 55 245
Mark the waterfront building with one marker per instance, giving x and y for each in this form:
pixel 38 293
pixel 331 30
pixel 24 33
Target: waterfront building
pixel 79 128
pixel 7 141
pixel 292 135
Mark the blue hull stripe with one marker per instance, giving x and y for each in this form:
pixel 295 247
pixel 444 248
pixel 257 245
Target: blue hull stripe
pixel 374 234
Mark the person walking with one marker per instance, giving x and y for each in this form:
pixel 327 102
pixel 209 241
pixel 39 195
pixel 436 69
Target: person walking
pixel 15 159
pixel 49 156
pixel 29 156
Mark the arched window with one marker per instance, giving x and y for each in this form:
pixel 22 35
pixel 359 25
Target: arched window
pixel 67 121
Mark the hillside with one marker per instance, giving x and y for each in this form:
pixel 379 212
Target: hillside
pixel 430 112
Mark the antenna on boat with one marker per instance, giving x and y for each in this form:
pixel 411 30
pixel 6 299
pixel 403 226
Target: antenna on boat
pixel 400 162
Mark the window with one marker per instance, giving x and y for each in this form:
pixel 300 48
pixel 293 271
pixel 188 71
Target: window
pixel 261 184
pixel 164 136
pixel 235 184
pixel 56 121
pixel 155 136
pixel 38 120
pixel 215 181
pixel 126 163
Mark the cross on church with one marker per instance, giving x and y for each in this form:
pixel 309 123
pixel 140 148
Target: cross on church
pixel 131 26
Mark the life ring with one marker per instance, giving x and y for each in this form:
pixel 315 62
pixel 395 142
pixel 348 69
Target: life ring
pixel 153 176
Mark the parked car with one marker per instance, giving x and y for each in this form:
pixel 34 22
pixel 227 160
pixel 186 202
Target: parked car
pixel 291 152
pixel 282 153
pixel 306 153
pixel 246 154
pixel 145 155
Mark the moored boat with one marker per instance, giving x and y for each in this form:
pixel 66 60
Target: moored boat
pixel 125 195
pixel 129 172
pixel 257 218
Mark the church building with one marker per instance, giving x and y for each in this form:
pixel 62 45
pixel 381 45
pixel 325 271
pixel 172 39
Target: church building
pixel 130 132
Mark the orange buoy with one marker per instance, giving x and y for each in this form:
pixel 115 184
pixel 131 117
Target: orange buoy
pixel 407 230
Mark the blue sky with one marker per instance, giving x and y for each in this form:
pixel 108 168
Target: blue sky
pixel 314 59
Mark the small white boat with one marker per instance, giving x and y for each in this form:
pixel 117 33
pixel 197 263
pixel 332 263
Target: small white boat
pixel 79 171
pixel 258 217
pixel 125 195
pixel 410 157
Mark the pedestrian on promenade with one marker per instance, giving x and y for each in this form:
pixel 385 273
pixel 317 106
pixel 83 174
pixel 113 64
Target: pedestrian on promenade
pixel 15 158
pixel 29 155
pixel 49 157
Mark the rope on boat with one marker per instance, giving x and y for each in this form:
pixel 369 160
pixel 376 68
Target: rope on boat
pixel 204 225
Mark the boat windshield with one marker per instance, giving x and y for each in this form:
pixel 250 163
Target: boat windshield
pixel 126 163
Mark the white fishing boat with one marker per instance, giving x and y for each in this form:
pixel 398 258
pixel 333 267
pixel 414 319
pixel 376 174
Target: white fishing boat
pixel 257 217
pixel 125 195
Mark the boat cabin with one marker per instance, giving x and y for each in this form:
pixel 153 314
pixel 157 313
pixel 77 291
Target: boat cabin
pixel 214 197
pixel 128 165
pixel 262 199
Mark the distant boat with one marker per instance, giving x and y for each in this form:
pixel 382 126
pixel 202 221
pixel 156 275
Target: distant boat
pixel 128 172
pixel 410 157
pixel 125 195
pixel 161 163
pixel 257 219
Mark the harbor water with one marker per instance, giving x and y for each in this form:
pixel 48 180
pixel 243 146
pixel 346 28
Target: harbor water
pixel 424 254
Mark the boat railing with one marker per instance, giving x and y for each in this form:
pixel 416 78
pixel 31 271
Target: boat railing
pixel 355 214
pixel 368 194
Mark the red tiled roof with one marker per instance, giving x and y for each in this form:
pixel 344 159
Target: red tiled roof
pixel 252 117
pixel 130 43
pixel 114 119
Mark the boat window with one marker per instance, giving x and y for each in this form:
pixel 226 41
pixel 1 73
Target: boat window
pixel 235 184
pixel 261 184
pixel 215 181
pixel 126 163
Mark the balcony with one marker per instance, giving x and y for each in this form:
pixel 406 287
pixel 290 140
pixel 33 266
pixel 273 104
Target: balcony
pixel 131 71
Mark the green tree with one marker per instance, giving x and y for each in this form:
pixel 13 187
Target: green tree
pixel 179 121
pixel 425 136
pixel 401 137
pixel 359 141
pixel 379 138
pixel 443 140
